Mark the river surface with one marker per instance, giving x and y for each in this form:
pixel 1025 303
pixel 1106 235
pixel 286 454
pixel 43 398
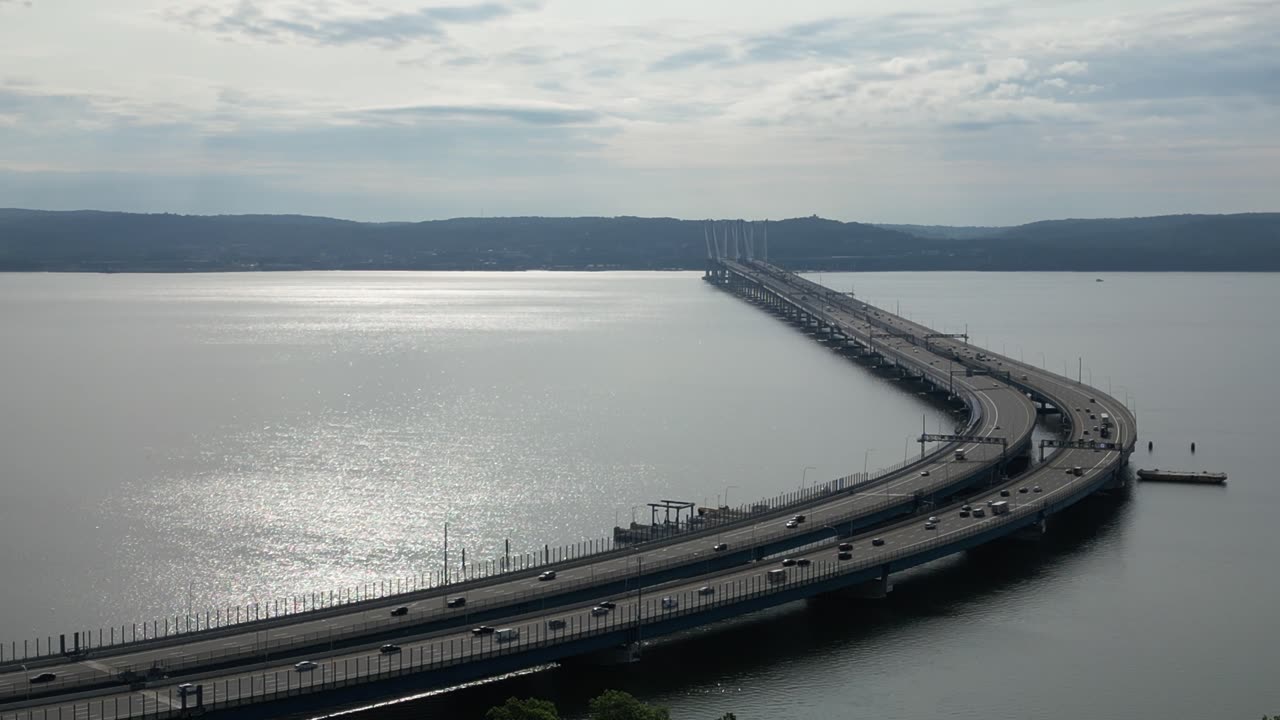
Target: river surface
pixel 198 441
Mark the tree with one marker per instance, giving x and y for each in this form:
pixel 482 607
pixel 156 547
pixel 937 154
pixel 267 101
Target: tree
pixel 516 709
pixel 618 705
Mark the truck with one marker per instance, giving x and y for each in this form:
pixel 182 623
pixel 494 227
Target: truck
pixel 507 634
pixel 960 454
pixel 1000 507
pixel 777 576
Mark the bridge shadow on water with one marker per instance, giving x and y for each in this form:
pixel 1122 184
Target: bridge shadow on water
pixel 811 631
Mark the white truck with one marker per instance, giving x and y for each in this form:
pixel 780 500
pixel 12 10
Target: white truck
pixel 777 576
pixel 1000 507
pixel 507 635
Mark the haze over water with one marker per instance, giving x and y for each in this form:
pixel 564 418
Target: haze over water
pixel 205 439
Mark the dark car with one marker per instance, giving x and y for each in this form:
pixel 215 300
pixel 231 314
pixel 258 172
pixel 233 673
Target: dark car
pixel 1004 493
pixel 877 541
pixel 389 649
pixel 804 562
pixel 844 547
pixel 720 546
pixel 402 610
pixel 788 562
pixel 608 604
pixel 482 630
pixel 456 602
pixel 844 555
pixel 43 678
pixel 798 518
pixel 1022 490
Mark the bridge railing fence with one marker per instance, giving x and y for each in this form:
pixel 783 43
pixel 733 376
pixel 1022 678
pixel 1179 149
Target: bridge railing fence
pixel 344 598
pixel 266 646
pixel 579 625
pixel 428 582
pixel 221 618
pixel 244 616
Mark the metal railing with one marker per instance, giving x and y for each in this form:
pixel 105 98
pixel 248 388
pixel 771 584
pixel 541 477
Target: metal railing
pixel 534 635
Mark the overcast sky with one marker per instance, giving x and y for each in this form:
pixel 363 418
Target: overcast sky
pixel 878 111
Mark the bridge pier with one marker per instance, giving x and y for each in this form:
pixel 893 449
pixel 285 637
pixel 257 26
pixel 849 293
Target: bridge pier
pixel 1032 532
pixel 609 657
pixel 1118 480
pixel 876 589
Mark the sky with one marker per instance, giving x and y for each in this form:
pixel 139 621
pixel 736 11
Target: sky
pixel 960 113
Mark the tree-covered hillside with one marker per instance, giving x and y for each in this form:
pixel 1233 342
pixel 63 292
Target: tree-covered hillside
pixel 32 240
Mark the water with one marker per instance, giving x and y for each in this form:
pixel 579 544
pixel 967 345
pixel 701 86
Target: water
pixel 208 439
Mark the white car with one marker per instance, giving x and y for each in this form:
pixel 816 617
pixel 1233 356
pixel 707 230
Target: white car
pixel 306 666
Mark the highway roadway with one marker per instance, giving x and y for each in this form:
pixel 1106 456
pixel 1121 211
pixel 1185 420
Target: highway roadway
pixel 899 541
pixel 1004 412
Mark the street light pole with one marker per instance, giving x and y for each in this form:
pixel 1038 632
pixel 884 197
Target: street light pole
pixel 727 488
pixel 805 474
pixel 639 597
pixel 266 635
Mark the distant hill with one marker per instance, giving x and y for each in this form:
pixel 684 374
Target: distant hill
pixel 34 240
pixel 946 232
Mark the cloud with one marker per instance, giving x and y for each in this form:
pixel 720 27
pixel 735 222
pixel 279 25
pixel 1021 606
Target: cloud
pixel 531 114
pixel 792 109
pixel 1070 67
pixel 387 29
pixel 685 59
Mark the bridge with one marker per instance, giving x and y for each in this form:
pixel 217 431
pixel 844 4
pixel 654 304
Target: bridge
pixel 729 566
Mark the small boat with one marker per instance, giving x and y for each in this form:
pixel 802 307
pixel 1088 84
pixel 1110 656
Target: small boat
pixel 1179 476
pixel 1097 279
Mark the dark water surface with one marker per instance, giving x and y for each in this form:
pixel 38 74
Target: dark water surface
pixel 207 439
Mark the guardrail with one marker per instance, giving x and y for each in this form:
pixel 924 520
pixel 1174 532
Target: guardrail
pixel 245 618
pixel 745 515
pixel 266 647
pixel 534 636
pixel 133 636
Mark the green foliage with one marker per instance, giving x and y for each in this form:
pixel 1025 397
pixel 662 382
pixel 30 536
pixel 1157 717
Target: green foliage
pixel 618 705
pixel 108 241
pixel 516 709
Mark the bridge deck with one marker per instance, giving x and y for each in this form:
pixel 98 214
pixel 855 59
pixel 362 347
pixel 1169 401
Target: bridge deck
pixel 1002 410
